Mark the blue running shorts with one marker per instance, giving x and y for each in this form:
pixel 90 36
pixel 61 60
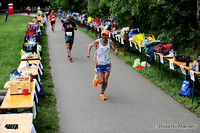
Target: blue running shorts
pixel 103 68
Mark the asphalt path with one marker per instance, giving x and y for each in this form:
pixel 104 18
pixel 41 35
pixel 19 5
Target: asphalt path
pixel 134 105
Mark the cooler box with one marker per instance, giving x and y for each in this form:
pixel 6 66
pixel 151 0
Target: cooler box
pixel 18 83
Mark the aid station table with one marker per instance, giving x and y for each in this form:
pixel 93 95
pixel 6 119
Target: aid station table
pixel 17 123
pixel 183 67
pixel 20 101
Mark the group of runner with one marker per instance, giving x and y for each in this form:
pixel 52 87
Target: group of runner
pixel 102 46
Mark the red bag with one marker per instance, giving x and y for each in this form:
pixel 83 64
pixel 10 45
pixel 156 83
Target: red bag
pixel 160 47
pixel 168 46
pixel 30 32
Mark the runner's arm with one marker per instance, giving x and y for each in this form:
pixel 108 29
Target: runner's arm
pixel 113 47
pixel 90 46
pixel 74 26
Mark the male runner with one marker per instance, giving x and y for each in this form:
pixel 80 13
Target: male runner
pixel 59 13
pixel 53 20
pixel 63 19
pixel 69 27
pixel 103 61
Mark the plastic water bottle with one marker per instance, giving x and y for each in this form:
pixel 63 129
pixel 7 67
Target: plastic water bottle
pixel 197 66
pixel 27 64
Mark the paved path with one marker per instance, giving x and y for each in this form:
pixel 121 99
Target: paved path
pixel 134 105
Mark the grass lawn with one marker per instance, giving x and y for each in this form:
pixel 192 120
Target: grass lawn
pixel 154 75
pixel 11 42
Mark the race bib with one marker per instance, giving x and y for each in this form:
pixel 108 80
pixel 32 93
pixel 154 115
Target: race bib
pixel 104 57
pixel 52 19
pixel 69 33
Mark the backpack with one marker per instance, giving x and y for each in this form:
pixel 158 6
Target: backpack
pixel 186 89
pixel 30 48
pixel 30 32
pixel 41 93
pixel 182 58
pixel 133 32
pixel 161 47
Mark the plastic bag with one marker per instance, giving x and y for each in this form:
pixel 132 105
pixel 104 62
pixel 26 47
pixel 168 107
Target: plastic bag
pixel 138 37
pixel 136 63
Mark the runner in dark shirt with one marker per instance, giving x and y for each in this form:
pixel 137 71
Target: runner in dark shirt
pixel 69 27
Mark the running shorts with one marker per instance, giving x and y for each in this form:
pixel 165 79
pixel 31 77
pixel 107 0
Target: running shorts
pixel 52 23
pixel 103 68
pixel 69 39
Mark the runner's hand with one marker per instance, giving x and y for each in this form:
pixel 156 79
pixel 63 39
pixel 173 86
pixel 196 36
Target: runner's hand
pixel 88 55
pixel 116 51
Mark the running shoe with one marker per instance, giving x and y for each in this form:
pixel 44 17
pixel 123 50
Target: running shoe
pixel 70 58
pixel 103 97
pixel 95 83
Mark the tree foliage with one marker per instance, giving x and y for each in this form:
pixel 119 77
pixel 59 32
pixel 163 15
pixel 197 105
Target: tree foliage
pixel 172 21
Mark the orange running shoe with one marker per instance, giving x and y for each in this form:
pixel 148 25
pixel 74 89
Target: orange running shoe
pixel 95 83
pixel 103 97
pixel 70 58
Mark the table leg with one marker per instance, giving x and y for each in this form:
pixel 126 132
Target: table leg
pixel 96 33
pixel 114 41
pixel 159 63
pixel 146 63
pixel 118 45
pixel 141 55
pixel 193 93
pixel 124 47
pixel 99 32
pixel 162 71
pixel 92 29
pixel 170 80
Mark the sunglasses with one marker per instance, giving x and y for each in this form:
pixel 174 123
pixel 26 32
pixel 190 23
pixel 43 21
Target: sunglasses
pixel 104 35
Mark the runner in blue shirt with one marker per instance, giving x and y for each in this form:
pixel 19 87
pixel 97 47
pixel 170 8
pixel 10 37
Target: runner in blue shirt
pixel 59 12
pixel 63 16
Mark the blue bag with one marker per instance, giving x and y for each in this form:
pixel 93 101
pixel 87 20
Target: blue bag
pixel 41 93
pixel 186 90
pixel 133 32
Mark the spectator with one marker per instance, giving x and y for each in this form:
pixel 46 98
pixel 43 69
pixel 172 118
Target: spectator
pixel 113 19
pixel 84 11
pixel 38 8
pixel 6 13
pixel 28 10
pixel 47 13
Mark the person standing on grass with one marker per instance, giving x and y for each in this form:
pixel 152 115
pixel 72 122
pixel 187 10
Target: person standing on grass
pixel 69 27
pixel 28 10
pixel 113 19
pixel 6 13
pixel 52 20
pixel 102 60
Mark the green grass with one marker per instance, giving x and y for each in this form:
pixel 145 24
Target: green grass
pixel 153 73
pixel 11 42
